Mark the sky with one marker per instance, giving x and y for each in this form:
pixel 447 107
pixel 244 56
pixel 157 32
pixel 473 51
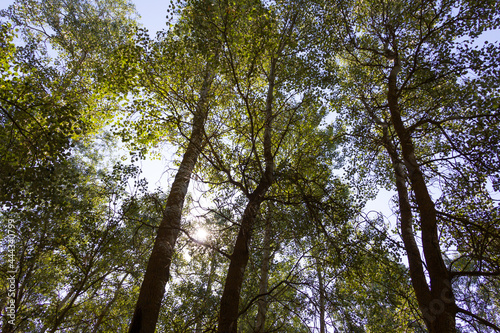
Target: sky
pixel 153 14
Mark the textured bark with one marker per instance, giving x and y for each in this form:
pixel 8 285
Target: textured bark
pixel 262 303
pixel 322 325
pixel 228 315
pixel 439 309
pixel 415 262
pixel 158 270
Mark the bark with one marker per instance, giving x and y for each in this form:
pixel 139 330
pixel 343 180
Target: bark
pixel 158 269
pixel 415 262
pixel 322 325
pixel 262 303
pixel 234 280
pixel 228 315
pixel 439 309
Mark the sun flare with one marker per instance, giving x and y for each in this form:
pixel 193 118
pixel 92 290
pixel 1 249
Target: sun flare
pixel 201 234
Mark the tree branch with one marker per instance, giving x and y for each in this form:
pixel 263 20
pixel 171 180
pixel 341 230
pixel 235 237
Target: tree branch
pixel 479 319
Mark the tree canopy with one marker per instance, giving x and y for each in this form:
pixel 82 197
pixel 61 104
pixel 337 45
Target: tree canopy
pixel 287 117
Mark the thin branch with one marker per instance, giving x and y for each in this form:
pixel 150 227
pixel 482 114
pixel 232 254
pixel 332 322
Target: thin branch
pixel 479 319
pixel 474 273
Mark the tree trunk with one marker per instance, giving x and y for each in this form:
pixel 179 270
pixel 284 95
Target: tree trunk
pixel 230 300
pixel 439 309
pixel 158 270
pixel 262 303
pixel 322 325
pixel 415 263
pixel 228 315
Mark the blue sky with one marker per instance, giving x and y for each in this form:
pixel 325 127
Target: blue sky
pixel 153 14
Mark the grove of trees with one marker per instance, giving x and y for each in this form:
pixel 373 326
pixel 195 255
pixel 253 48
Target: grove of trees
pixel 287 118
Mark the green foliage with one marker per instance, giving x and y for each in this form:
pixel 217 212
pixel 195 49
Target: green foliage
pixel 447 99
pixel 48 100
pixel 82 239
pixel 73 249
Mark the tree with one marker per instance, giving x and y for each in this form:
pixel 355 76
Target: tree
pixel 70 248
pixel 49 99
pixel 243 90
pixel 50 102
pixel 404 87
pixel 185 104
pixel 259 76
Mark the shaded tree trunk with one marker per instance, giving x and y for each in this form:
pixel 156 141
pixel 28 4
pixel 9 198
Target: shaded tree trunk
pixel 438 305
pixel 158 269
pixel 415 262
pixel 321 286
pixel 230 300
pixel 228 315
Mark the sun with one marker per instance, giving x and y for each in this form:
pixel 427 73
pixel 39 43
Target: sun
pixel 201 234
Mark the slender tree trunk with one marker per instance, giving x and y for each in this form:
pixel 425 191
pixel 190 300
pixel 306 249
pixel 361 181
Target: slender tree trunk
pixel 417 273
pixel 262 303
pixel 322 325
pixel 439 309
pixel 158 270
pixel 230 300
pixel 228 316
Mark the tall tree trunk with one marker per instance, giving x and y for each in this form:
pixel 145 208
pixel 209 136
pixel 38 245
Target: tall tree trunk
pixel 440 309
pixel 158 270
pixel 262 303
pixel 228 315
pixel 417 273
pixel 230 300
pixel 322 325
pixel 415 262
